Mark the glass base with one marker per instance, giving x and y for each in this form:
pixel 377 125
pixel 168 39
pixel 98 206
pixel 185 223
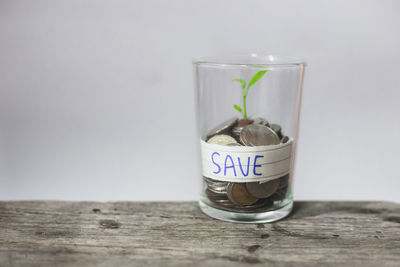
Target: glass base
pixel 238 217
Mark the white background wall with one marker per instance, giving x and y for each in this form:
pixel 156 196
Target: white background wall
pixel 97 99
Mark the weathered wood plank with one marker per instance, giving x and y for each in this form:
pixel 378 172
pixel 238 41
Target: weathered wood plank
pixel 169 234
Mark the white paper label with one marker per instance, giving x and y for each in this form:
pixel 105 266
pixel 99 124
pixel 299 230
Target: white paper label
pixel 245 163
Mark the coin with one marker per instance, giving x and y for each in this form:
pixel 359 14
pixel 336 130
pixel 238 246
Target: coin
pixel 261 121
pixel 280 194
pixel 217 190
pixel 218 198
pixel 228 205
pixel 221 139
pixel 258 135
pixel 215 196
pixel 263 190
pixel 237 193
pixel 285 139
pixel 236 131
pixel 223 128
pixel 213 182
pixel 215 186
pixel 277 129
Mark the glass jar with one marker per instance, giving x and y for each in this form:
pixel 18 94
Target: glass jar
pixel 248 114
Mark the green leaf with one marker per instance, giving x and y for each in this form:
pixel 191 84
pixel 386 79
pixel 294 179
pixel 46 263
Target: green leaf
pixel 237 108
pixel 241 81
pixel 255 78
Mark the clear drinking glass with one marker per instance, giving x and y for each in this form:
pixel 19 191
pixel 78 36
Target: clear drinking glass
pixel 248 114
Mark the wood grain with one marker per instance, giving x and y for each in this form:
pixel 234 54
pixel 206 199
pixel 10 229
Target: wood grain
pixel 51 233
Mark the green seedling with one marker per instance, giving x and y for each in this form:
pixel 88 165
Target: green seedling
pixel 245 90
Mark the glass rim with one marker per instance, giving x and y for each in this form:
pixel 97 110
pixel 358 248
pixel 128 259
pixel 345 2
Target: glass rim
pixel 249 60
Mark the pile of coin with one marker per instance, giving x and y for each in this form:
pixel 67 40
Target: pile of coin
pixel 248 196
pixel 257 132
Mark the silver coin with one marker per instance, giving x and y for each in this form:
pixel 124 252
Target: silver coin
pixel 210 181
pixel 221 139
pixel 215 186
pixel 215 196
pixel 214 183
pixel 277 129
pixel 236 131
pixel 261 121
pixel 223 128
pixel 258 135
pixel 218 198
pixel 218 189
pixel 263 190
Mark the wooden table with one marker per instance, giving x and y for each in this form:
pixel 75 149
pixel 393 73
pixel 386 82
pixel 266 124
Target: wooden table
pixel 51 233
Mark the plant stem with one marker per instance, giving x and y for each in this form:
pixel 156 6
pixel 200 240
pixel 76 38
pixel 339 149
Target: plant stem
pixel 244 108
